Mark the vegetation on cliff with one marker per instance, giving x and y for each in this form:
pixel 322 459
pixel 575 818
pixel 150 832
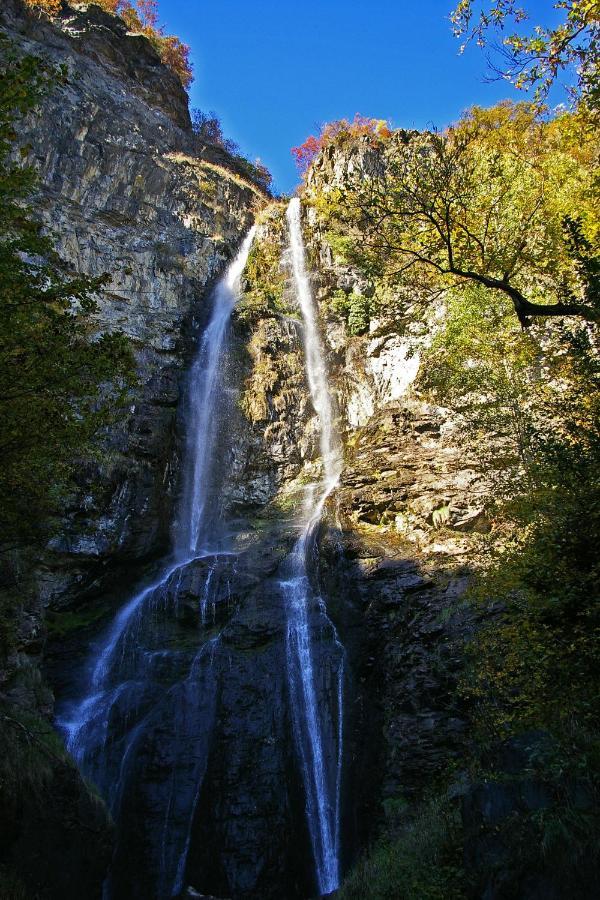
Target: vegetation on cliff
pixel 337 133
pixel 207 126
pixel 489 233
pixel 504 199
pixel 60 381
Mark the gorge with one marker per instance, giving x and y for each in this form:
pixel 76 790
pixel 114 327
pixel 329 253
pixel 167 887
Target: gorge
pixel 268 646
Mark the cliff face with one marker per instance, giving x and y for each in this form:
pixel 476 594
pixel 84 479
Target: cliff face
pixel 125 193
pixel 126 189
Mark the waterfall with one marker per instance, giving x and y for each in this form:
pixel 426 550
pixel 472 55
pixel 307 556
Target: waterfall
pixel 144 729
pixel 195 525
pixel 117 716
pixel 317 711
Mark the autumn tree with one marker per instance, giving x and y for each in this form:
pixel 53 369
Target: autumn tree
pixel 488 201
pixel 535 57
pixel 305 154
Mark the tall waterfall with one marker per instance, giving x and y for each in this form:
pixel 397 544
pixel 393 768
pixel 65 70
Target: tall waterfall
pixel 196 519
pixel 317 712
pixel 192 689
pixel 115 720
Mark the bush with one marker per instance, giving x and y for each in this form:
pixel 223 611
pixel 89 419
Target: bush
pixel 354 308
pixel 336 132
pixel 207 126
pixel 423 863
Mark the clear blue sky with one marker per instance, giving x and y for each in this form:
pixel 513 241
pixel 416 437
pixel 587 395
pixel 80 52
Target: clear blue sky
pixel 274 70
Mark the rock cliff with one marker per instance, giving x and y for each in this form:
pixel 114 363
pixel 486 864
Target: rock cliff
pixel 127 189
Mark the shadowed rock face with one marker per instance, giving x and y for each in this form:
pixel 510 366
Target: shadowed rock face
pixel 200 764
pixel 127 190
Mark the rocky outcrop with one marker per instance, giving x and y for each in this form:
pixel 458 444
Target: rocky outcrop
pixel 410 518
pixel 126 189
pixel 395 575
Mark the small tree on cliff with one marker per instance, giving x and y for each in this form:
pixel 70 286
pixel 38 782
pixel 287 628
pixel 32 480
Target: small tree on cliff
pixel 336 132
pixel 58 384
pixel 503 199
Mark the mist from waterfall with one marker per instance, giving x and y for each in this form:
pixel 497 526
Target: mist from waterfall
pixel 317 711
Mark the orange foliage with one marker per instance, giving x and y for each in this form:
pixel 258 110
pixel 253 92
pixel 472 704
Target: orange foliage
pixel 140 16
pixel 331 131
pixel 176 55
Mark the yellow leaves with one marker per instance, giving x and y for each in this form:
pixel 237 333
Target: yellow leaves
pixel 51 7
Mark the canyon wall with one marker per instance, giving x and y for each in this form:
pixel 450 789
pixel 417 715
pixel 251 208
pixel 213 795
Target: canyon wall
pixel 127 189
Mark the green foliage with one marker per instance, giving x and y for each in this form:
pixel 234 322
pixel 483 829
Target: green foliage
pixel 423 863
pixel 533 661
pixel 30 749
pixel 354 308
pixel 486 202
pixel 60 381
pixel 12 887
pixel 265 281
pixel 61 623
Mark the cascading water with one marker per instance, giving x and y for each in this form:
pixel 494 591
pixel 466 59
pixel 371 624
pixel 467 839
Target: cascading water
pixel 118 720
pixel 317 711
pixel 184 724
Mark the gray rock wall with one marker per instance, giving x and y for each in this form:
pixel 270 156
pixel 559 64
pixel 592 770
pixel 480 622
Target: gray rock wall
pixel 126 190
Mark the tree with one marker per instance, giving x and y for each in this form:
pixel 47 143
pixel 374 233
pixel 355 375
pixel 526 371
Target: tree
pixel 207 126
pixel 488 201
pixel 535 59
pixel 60 381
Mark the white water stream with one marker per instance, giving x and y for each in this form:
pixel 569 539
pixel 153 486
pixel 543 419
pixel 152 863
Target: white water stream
pixel 121 668
pixel 317 726
pixel 113 721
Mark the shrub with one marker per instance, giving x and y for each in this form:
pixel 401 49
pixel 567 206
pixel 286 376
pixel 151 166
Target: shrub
pixel 207 126
pixel 354 308
pixel 423 863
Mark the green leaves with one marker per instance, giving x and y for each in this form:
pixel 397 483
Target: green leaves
pixel 484 203
pixel 60 381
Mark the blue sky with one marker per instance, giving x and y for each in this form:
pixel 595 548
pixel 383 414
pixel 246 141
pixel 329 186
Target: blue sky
pixel 274 70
